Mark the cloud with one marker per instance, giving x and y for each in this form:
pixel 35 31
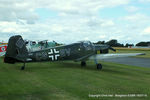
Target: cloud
pixel 102 36
pixel 75 20
pixel 137 18
pixel 12 27
pixel 132 9
pixel 74 7
pixel 24 10
pixel 146 31
pixel 15 10
pixel 144 1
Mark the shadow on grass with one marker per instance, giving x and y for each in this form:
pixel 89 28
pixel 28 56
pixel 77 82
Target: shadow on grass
pixel 55 65
pixel 70 65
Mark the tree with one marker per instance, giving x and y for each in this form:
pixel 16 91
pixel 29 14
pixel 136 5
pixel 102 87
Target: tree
pixel 143 44
pixel 100 42
pixel 127 44
pixel 112 42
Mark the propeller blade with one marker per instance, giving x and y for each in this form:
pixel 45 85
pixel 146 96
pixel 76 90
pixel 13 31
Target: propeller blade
pixel 112 49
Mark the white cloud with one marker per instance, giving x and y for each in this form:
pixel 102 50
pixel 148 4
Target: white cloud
pixel 108 23
pixel 102 36
pixel 76 20
pixel 146 31
pixel 12 27
pixel 137 18
pixel 144 1
pixel 80 6
pixel 13 10
pixel 132 9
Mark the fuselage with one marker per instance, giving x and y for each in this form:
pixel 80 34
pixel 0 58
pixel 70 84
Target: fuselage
pixel 76 51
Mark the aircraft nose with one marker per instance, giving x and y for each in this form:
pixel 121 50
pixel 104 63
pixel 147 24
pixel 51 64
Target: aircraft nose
pixel 104 48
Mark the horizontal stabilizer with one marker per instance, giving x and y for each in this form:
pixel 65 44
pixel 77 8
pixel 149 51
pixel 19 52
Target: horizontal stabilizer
pixel 106 56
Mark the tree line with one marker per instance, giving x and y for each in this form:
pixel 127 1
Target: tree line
pixel 115 43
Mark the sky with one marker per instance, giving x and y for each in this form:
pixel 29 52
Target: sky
pixel 68 21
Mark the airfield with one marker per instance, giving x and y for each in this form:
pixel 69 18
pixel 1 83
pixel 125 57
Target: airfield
pixel 140 61
pixel 69 81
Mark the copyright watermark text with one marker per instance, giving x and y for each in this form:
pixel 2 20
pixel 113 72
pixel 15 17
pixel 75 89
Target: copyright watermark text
pixel 116 95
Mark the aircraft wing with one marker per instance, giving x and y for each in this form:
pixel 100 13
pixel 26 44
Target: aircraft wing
pixel 106 56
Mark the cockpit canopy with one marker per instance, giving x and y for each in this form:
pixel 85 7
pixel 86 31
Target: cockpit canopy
pixel 86 43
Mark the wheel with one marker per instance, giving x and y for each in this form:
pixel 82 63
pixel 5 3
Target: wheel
pixel 99 66
pixel 22 68
pixel 83 63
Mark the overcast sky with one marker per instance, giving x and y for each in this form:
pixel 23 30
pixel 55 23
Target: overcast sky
pixel 68 21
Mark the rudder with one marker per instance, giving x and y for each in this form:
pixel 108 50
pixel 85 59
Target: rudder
pixel 16 50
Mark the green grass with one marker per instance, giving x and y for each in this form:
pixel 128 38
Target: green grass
pixel 69 81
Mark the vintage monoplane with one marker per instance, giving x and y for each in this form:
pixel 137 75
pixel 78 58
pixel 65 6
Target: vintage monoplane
pixel 80 51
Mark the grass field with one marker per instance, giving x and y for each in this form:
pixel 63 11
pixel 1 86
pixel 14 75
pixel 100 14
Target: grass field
pixel 134 50
pixel 69 81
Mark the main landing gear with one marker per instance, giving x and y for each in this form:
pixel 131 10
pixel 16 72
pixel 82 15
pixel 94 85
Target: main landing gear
pixel 99 66
pixel 83 63
pixel 23 67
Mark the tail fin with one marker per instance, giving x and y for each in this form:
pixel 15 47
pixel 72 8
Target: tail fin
pixel 16 50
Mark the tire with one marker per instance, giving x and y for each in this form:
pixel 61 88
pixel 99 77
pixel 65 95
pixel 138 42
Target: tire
pixel 23 67
pixel 83 63
pixel 99 66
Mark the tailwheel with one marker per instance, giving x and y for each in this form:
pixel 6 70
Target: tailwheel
pixel 83 63
pixel 99 66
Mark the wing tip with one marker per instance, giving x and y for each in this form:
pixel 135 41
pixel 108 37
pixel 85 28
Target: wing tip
pixel 142 54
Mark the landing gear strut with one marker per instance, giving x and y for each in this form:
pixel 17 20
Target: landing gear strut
pixel 23 67
pixel 99 66
pixel 83 63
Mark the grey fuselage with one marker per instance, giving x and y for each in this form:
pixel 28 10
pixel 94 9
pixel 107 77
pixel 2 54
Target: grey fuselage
pixel 76 51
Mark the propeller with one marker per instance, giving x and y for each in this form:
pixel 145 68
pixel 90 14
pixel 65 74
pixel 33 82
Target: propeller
pixel 103 48
pixel 112 49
